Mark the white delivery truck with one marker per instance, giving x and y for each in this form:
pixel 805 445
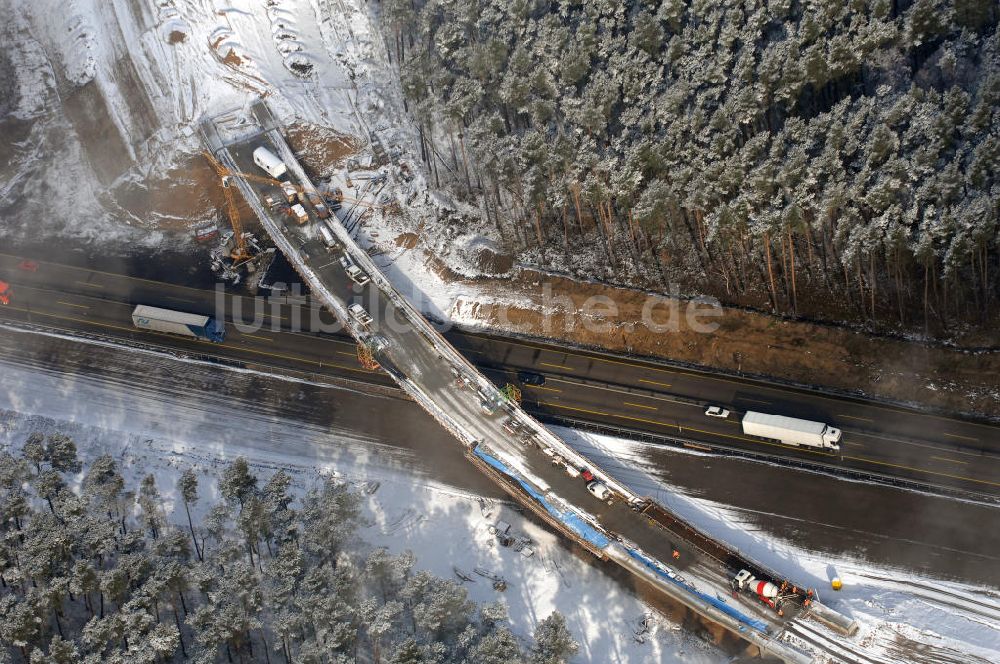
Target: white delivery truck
pixel 791 430
pixel 268 161
pixel 146 317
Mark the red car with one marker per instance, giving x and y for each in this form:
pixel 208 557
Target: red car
pixel 28 265
pixel 586 475
pixel 4 292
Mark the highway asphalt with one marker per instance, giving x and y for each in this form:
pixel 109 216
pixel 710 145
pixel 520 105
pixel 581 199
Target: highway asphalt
pixel 456 397
pixel 600 389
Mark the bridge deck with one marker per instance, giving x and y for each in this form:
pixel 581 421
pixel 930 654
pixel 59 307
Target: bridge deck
pixel 425 366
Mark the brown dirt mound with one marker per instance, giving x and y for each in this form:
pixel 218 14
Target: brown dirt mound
pixel 760 344
pixel 319 149
pixel 232 59
pixel 407 240
pixel 176 37
pixel 492 262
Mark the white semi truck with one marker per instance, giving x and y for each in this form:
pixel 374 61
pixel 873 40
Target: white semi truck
pixel 791 430
pixel 146 317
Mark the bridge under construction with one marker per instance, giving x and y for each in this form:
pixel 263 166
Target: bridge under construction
pixel 542 472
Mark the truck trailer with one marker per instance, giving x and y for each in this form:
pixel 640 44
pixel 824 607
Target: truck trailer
pixel 791 431
pixel 268 161
pixel 146 317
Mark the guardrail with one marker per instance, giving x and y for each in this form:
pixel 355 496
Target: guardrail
pixel 790 462
pixel 419 323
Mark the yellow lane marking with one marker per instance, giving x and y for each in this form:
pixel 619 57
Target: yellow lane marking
pixel 854 444
pixel 639 405
pixel 87 283
pixel 626 392
pixel 200 341
pixel 540 387
pixel 556 366
pixel 254 336
pixel 955 435
pixel 544 347
pixel 854 417
pixel 70 304
pixel 913 443
pixel 764 442
pixel 721 379
pixel 921 470
pixel 112 274
pixel 653 382
pixel 180 299
pixel 344 352
pixel 966 463
pixel 766 403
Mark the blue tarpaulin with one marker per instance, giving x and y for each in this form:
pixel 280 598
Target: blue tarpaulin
pixel 572 520
pixel 714 601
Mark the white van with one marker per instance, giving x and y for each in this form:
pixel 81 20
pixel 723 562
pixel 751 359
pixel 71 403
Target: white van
pixel 327 236
pixel 268 161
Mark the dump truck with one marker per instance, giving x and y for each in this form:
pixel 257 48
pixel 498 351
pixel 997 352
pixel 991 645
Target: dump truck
pixel 791 431
pixel 321 210
pixel 197 326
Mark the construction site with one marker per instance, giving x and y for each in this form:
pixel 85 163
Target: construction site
pixel 311 225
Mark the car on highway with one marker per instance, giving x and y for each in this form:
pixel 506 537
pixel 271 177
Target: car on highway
pixel 4 292
pixel 598 489
pixel 717 411
pixel 530 378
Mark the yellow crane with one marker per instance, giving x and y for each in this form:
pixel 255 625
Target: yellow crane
pixel 263 179
pixel 240 251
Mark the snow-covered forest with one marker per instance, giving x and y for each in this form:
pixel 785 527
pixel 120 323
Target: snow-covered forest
pixel 832 160
pixel 92 571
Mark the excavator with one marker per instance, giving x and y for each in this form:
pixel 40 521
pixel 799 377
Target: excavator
pixel 366 354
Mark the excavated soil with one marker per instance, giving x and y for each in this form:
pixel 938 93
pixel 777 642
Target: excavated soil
pixel 173 200
pixel 492 262
pixel 754 343
pixel 319 149
pixel 407 240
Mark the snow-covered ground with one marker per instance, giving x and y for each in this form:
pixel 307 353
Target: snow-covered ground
pixel 446 528
pixel 106 97
pixel 898 612
pixel 165 430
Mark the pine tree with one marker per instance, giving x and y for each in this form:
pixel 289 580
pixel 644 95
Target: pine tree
pixel 238 483
pixel 553 642
pixel 187 486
